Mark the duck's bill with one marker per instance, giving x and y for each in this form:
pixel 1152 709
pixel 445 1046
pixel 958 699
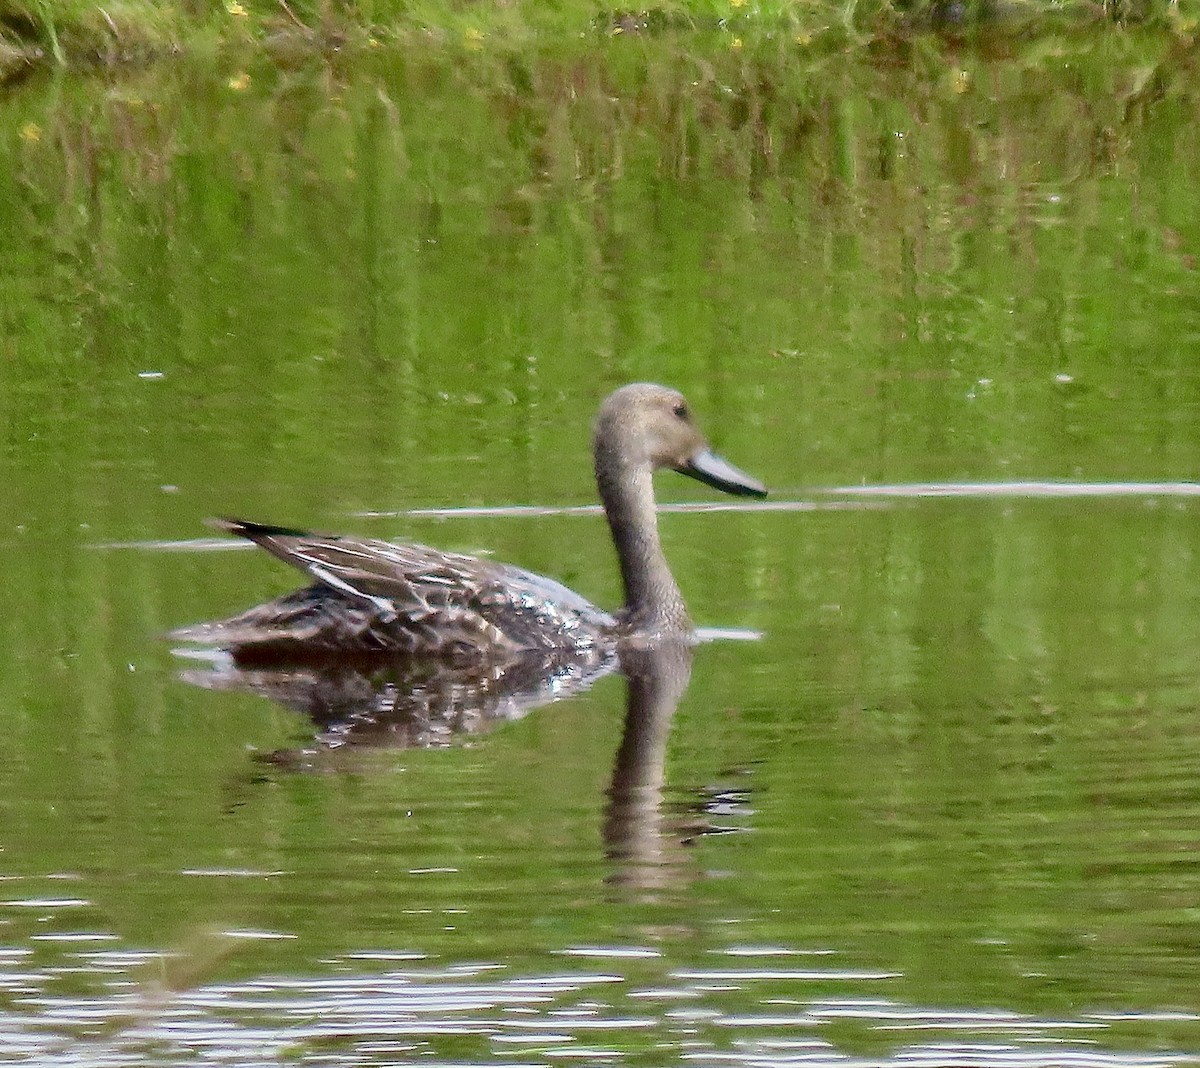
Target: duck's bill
pixel 719 473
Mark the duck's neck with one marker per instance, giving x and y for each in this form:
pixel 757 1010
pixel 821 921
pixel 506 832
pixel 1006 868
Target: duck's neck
pixel 652 599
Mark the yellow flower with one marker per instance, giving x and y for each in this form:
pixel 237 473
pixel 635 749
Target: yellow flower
pixel 736 43
pixel 239 82
pixel 737 3
pixel 804 38
pixel 235 9
pixel 474 39
pixel 962 81
pixel 31 131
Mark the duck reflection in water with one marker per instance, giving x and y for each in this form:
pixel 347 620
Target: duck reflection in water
pixel 368 703
pixel 359 707
pixel 639 841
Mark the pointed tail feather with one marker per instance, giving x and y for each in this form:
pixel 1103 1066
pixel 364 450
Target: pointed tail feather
pixel 245 528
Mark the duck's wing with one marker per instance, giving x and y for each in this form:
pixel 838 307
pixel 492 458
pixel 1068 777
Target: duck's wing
pixel 394 579
pixel 408 599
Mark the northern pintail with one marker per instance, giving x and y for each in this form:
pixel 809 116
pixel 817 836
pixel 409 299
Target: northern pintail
pixel 371 596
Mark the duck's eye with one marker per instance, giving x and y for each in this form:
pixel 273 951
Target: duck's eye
pixel 681 410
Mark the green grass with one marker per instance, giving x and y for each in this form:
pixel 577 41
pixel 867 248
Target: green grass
pixel 79 33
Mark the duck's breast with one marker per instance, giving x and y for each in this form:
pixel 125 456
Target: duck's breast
pixel 535 612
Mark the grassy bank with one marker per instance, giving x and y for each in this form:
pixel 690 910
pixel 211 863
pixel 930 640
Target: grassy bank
pixel 81 33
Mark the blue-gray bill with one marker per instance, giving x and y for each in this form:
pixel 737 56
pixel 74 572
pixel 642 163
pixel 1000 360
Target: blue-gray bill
pixel 719 473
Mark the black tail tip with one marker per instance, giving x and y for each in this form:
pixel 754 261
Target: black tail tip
pixel 244 528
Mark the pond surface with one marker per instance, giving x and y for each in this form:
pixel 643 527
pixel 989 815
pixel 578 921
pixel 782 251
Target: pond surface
pixel 944 811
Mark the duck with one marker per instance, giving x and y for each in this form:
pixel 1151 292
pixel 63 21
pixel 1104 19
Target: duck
pixel 369 596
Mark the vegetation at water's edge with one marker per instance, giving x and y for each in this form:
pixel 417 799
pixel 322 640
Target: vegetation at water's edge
pixel 82 32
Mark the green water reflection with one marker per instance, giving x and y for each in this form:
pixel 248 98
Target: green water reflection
pixel 959 770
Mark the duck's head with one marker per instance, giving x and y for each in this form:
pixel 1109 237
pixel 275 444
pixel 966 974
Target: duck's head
pixel 644 425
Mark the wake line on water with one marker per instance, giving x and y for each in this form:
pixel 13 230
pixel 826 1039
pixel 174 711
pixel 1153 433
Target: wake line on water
pixel 863 497
pixel 521 511
pixel 503 511
pixel 1020 489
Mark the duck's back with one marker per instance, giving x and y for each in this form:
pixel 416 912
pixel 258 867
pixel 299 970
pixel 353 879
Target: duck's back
pixel 373 596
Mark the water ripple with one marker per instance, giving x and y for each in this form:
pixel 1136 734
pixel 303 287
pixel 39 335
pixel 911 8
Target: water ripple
pixel 725 1018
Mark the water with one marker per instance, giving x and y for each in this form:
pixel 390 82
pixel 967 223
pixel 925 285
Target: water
pixel 943 810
